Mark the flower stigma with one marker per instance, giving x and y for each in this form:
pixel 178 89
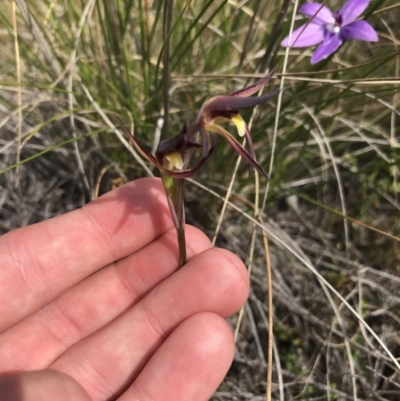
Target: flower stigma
pixel 333 28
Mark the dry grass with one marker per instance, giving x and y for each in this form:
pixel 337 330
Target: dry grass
pixel 331 142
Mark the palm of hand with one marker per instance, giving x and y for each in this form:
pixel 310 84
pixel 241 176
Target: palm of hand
pixel 96 295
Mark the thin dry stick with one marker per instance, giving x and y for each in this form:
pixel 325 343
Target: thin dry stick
pixel 167 24
pixel 278 105
pixel 275 32
pixel 276 125
pixel 268 390
pixel 351 219
pixel 337 174
pixel 56 72
pixel 100 176
pixel 228 194
pixel 270 314
pixel 253 328
pixel 48 14
pixel 393 126
pixel 346 339
pixel 296 78
pixel 249 35
pixel 19 93
pixel 253 237
pixel 268 263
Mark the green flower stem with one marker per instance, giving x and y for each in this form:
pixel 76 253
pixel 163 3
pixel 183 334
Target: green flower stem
pixel 182 246
pixel 174 190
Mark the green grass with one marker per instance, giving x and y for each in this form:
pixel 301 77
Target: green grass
pixel 330 141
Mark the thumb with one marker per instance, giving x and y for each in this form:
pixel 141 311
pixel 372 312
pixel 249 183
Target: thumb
pixel 43 385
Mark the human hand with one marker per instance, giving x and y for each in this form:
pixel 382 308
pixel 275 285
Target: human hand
pixel 94 303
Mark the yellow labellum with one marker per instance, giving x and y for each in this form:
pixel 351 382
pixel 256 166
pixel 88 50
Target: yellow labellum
pixel 240 124
pixel 175 159
pixel 235 119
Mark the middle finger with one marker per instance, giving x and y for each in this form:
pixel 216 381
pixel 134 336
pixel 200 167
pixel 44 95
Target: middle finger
pixel 107 362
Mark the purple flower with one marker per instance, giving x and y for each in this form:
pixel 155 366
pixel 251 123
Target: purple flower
pixel 331 29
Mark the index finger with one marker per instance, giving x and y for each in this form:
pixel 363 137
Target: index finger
pixel 42 261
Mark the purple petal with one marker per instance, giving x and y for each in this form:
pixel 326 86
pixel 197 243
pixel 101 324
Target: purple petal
pixel 319 13
pixel 352 9
pixel 205 139
pixel 189 172
pixel 359 30
pixel 249 142
pixel 137 145
pixel 304 36
pixel 168 145
pixel 244 154
pixel 220 106
pixel 237 147
pixel 326 49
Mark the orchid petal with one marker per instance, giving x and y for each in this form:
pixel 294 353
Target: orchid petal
pixel 175 159
pixel 306 35
pixel 137 145
pixel 352 9
pixel 250 90
pixel 250 146
pixel 205 139
pixel 326 48
pixel 359 30
pixel 236 146
pixel 170 144
pixel 319 13
pixel 189 172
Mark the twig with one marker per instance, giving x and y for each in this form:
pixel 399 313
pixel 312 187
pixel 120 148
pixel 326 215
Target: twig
pixel 270 314
pixel 255 333
pixel 167 23
pixel 19 93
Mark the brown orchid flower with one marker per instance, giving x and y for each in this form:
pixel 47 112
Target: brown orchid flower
pixel 173 155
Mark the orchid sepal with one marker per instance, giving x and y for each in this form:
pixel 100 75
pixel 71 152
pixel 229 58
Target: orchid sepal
pixel 220 105
pixel 252 89
pixel 236 146
pixel 136 144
